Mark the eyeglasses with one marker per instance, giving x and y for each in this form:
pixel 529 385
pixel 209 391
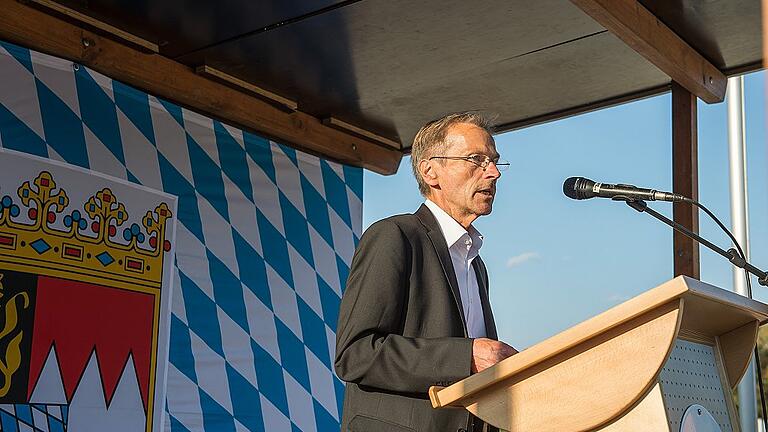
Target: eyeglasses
pixel 478 159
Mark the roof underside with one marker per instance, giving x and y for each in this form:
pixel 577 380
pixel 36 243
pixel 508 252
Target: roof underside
pixel 388 66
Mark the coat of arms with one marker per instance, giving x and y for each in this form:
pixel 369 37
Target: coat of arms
pixel 83 318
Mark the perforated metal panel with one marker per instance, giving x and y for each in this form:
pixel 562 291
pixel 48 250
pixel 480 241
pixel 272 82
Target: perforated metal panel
pixel 690 376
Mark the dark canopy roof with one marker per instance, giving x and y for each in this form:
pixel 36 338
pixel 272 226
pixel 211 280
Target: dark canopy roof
pixel 388 66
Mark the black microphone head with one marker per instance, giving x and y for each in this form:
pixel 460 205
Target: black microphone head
pixel 578 188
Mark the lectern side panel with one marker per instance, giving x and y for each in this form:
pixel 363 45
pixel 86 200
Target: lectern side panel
pixel 736 348
pixel 691 376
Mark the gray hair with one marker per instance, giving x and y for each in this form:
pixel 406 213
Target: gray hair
pixel 430 139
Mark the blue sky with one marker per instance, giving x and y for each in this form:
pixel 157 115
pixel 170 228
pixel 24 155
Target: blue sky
pixel 553 261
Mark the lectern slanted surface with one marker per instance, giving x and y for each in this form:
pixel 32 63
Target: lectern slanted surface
pixel 599 370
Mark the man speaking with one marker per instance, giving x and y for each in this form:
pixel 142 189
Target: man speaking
pixel 415 312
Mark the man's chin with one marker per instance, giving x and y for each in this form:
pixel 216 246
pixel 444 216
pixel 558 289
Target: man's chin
pixel 481 205
pixel 484 209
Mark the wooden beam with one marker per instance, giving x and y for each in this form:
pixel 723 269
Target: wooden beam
pixel 163 77
pixel 685 179
pixel 631 22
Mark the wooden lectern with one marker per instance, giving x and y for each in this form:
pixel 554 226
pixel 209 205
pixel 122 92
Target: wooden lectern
pixel 667 357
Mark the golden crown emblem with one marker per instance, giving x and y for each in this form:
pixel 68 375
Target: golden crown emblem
pixel 86 248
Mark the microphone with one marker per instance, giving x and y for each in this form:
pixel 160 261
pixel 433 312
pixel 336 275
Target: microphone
pixel 580 188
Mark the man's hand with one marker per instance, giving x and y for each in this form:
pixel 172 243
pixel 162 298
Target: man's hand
pixel 487 352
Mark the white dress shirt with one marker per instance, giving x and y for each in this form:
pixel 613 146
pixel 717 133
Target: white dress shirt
pixel 463 245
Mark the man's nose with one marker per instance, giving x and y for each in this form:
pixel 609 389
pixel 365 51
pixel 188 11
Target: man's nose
pixel 492 171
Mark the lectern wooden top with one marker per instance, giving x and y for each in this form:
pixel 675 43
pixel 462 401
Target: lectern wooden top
pixel 702 312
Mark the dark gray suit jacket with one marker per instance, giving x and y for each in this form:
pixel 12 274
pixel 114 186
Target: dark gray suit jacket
pixel 402 329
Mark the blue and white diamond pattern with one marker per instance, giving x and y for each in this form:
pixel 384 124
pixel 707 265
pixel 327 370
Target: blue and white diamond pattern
pixel 264 243
pixel 33 418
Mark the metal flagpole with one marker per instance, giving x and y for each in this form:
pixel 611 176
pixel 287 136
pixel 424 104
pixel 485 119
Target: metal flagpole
pixel 740 226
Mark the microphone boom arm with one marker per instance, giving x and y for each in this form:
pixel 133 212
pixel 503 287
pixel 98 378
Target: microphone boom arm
pixel 731 254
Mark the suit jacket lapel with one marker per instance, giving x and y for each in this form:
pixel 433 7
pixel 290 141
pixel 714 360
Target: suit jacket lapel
pixel 482 284
pixel 441 247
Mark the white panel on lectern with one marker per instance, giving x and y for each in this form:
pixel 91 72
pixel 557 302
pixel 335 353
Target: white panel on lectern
pixel 690 376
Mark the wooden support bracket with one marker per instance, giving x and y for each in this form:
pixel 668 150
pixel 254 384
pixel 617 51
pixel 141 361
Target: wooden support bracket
pixel 226 78
pixel 58 8
pixel 336 123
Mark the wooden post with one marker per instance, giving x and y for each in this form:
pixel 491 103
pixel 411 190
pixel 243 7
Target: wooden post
pixel 685 179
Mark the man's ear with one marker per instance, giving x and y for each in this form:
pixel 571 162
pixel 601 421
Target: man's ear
pixel 428 173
